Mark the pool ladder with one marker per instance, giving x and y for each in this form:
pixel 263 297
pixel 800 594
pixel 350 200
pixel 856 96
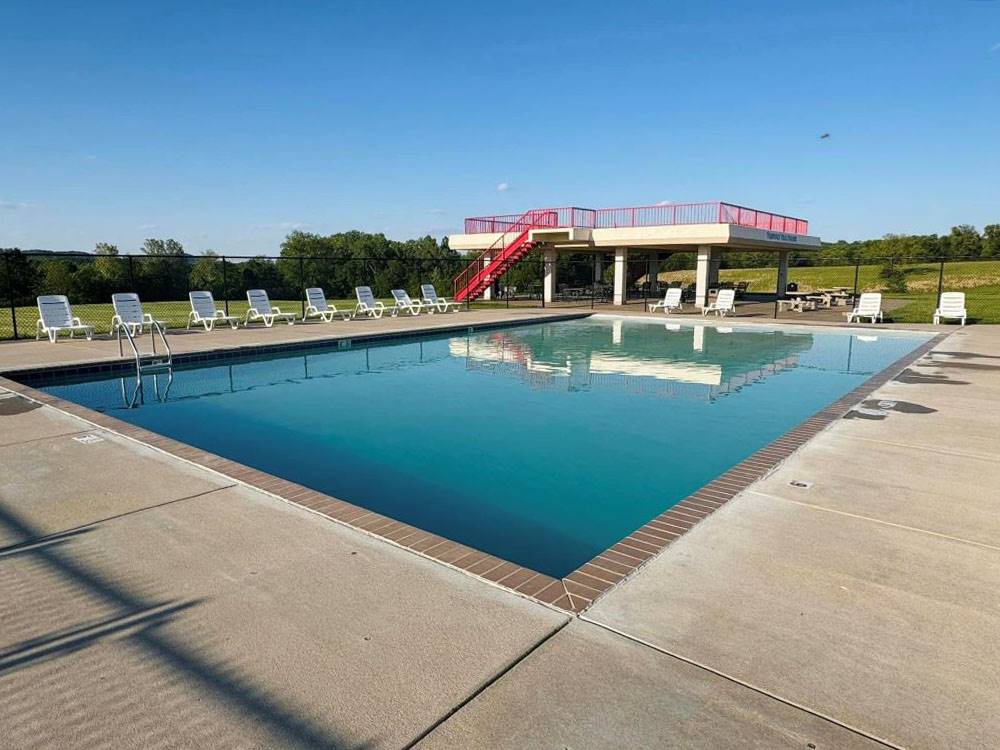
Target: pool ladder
pixel 147 363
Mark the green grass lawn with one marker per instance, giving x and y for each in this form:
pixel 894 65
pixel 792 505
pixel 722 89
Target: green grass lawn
pixel 980 280
pixel 174 314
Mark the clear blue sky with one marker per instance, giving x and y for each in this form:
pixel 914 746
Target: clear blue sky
pixel 226 124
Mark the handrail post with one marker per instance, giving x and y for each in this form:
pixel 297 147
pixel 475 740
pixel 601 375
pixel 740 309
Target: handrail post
pixel 937 302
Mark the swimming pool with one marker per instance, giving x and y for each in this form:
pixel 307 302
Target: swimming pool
pixel 541 444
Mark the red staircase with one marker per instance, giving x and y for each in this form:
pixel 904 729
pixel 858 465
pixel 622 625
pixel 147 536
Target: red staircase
pixel 512 245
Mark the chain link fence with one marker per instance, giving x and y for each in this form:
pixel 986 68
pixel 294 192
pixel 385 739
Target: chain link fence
pixel 910 288
pixel 163 283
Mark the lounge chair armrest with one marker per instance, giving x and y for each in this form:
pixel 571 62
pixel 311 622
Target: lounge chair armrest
pixel 148 318
pixel 76 321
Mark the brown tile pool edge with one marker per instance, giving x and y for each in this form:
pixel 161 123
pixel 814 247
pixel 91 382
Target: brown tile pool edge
pixel 579 589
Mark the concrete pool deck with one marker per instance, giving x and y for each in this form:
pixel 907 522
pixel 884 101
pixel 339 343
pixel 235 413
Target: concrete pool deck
pixel 147 602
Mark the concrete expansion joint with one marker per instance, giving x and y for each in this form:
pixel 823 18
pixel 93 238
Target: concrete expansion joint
pixel 872 519
pixel 486 685
pixel 749 686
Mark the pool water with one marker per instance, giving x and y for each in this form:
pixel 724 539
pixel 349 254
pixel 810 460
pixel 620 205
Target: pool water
pixel 542 444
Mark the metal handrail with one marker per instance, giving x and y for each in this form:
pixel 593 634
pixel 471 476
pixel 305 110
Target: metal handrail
pixel 657 215
pixel 526 222
pixel 154 326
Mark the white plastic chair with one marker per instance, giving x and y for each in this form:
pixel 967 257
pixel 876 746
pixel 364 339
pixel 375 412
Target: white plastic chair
pixel 725 302
pixel 260 309
pixel 869 306
pixel 951 305
pixel 55 315
pixel 204 311
pixel 317 307
pixel 405 304
pixel 128 312
pixel 367 304
pixel 671 301
pixel 441 304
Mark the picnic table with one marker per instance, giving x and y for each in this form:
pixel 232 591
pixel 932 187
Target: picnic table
pixel 798 301
pixel 833 296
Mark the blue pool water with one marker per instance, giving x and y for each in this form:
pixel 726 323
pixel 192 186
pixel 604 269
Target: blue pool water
pixel 542 444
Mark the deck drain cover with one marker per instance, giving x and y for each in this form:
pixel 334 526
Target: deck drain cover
pixel 89 439
pixel 800 484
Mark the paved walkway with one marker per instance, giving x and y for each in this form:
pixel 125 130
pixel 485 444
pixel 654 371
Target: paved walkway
pixel 148 603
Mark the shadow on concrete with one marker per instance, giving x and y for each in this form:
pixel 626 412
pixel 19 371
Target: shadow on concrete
pixel 141 620
pixel 911 376
pixel 966 355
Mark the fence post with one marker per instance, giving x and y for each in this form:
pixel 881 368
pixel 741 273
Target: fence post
pixel 302 285
pixel 645 287
pixel 225 284
pixel 131 275
pixel 593 283
pixel 857 270
pixel 940 284
pixel 10 291
pixel 778 291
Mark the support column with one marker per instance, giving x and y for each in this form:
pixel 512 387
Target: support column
pixel 782 273
pixel 654 272
pixel 713 269
pixel 549 285
pixel 488 292
pixel 702 279
pixel 621 272
pixel 598 268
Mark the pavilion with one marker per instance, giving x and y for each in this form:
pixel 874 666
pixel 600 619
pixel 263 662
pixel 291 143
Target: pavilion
pixel 707 229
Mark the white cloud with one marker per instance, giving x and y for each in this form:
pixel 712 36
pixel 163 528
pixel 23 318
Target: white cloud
pixel 149 226
pixel 995 47
pixel 664 203
pixel 437 211
pixel 14 206
pixel 503 187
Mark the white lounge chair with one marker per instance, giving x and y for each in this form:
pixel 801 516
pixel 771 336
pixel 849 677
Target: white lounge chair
pixel 260 309
pixel 128 312
pixel 671 301
pixel 441 304
pixel 405 304
pixel 869 306
pixel 204 311
pixel 317 307
pixel 55 315
pixel 725 302
pixel 367 304
pixel 951 305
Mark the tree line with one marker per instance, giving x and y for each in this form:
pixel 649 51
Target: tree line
pixel 165 271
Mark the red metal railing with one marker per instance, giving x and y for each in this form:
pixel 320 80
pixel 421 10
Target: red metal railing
pixel 649 216
pixel 504 250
